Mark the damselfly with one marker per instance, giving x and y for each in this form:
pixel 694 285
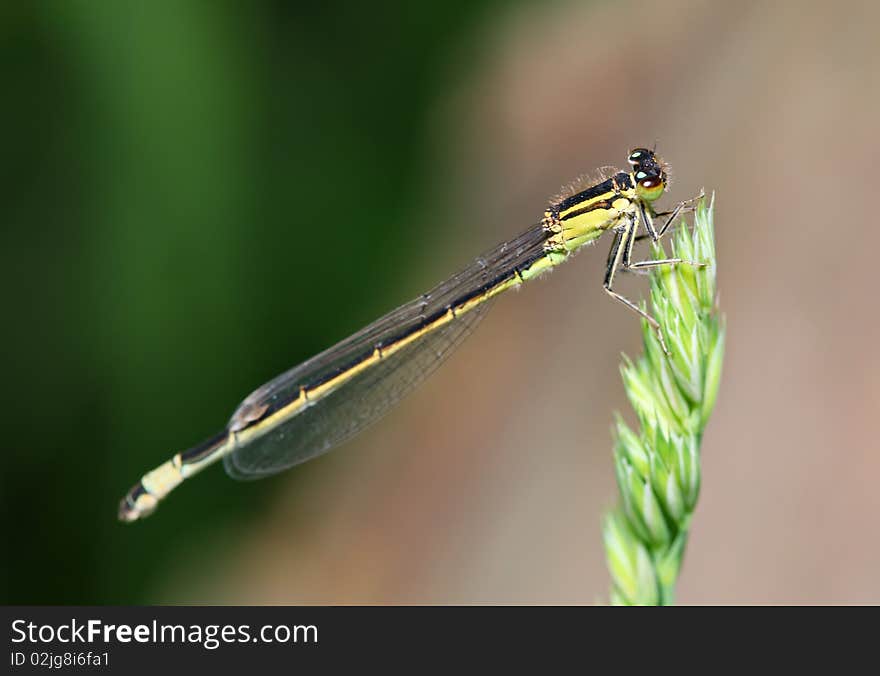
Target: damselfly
pixel 317 405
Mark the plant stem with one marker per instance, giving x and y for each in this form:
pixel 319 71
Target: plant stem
pixel 658 466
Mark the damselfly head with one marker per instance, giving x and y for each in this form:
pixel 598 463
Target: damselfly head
pixel 649 173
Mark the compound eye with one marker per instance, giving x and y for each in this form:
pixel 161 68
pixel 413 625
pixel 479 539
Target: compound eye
pixel 648 180
pixel 650 186
pixel 638 156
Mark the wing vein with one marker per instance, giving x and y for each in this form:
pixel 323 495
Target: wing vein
pixel 365 397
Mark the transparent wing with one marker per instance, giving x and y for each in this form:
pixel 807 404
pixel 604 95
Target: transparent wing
pixel 366 397
pixel 351 408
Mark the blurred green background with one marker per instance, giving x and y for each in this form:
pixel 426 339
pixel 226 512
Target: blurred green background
pixel 199 195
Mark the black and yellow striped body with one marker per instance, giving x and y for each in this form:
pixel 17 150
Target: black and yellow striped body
pixel 567 225
pixel 583 217
pixel 260 423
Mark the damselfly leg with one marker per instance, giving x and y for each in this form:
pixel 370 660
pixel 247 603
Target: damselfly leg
pixel 680 209
pixel 620 256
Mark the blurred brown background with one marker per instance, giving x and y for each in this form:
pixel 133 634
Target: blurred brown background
pixel 488 484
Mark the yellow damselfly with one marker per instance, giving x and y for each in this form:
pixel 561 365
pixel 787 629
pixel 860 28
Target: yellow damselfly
pixel 317 405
